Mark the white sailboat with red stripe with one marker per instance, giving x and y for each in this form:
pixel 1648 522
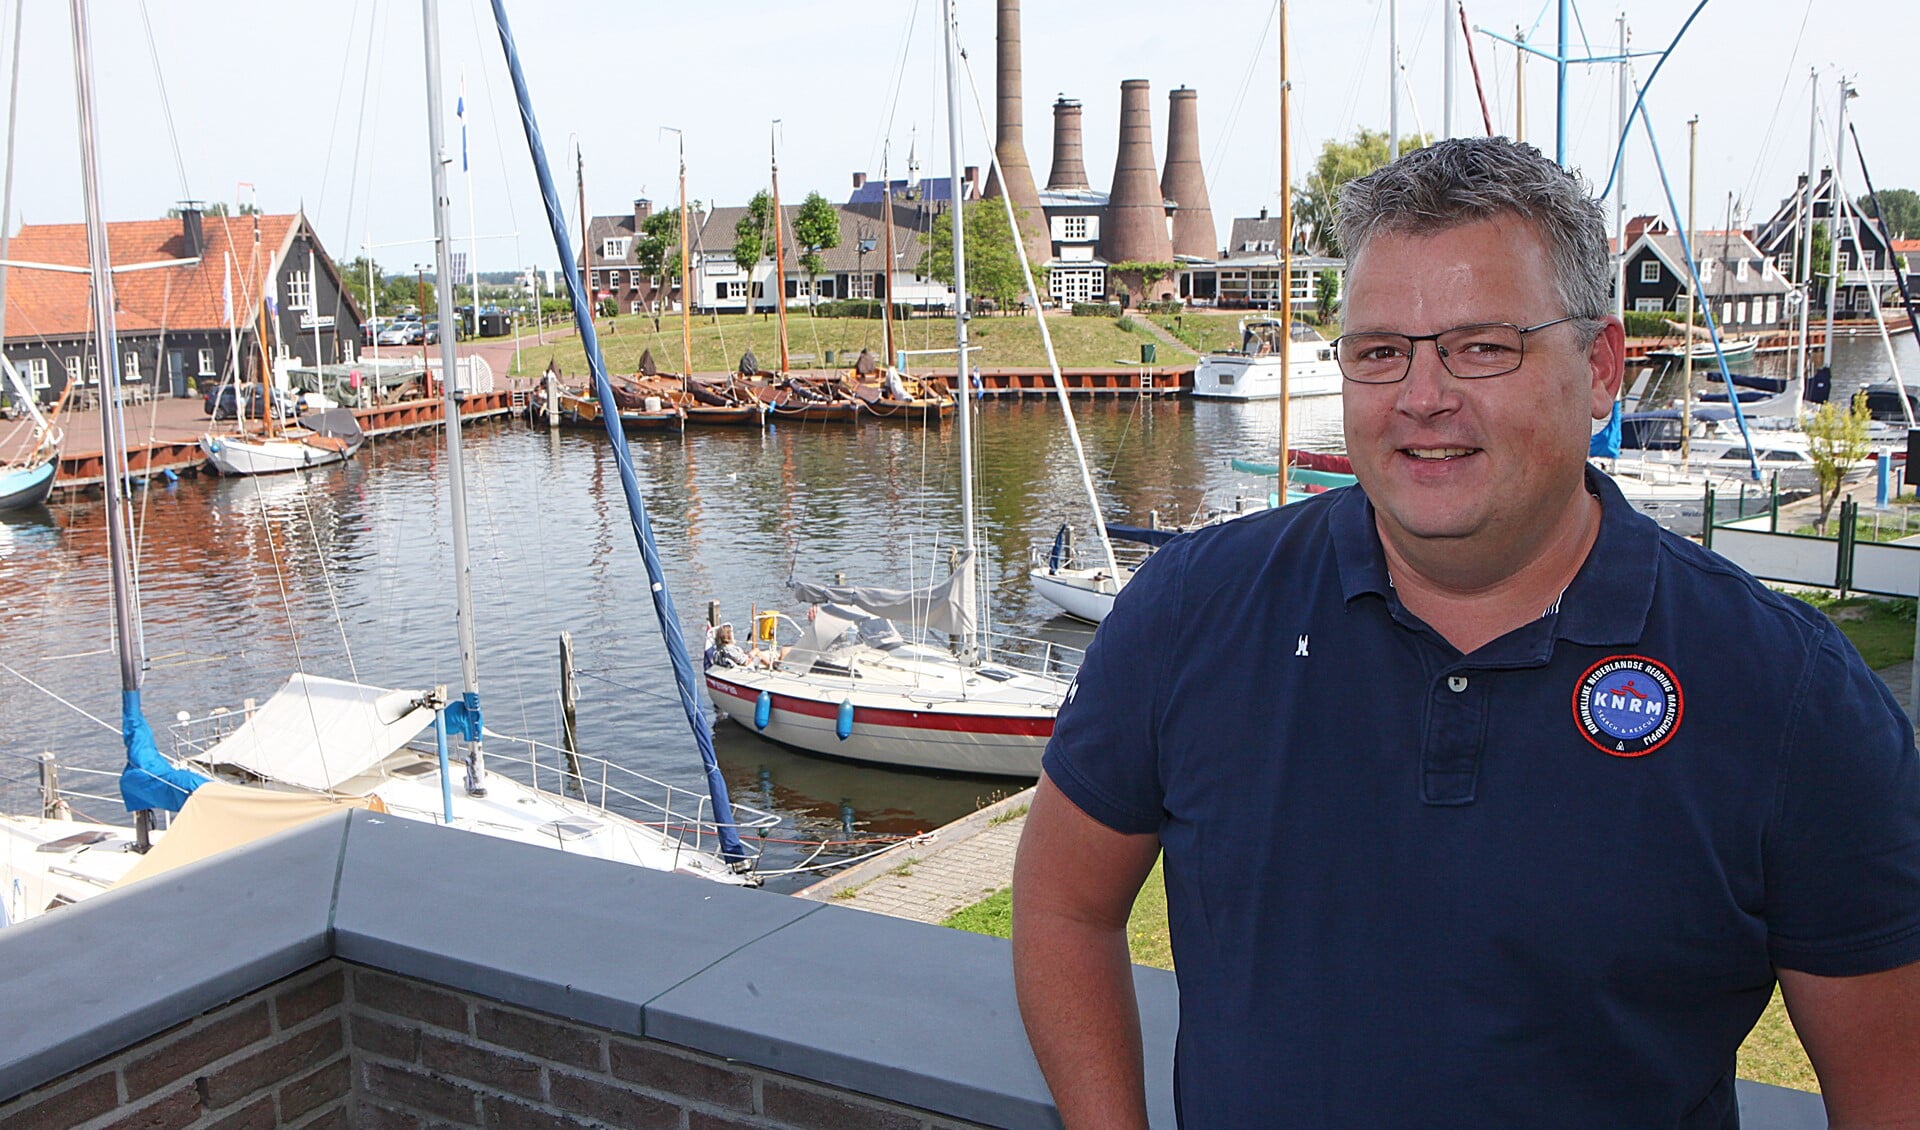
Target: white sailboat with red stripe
pixel 952 698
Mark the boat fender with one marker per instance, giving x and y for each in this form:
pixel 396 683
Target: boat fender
pixel 843 721
pixel 763 710
pixel 215 446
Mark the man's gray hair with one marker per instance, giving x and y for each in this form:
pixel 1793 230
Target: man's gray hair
pixel 1466 180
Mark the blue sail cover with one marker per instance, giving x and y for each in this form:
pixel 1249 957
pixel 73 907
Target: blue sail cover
pixel 1605 443
pixel 148 781
pixel 731 849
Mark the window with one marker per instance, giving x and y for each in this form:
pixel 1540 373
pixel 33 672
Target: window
pixel 73 370
pixel 730 289
pixel 1073 227
pixel 639 307
pixel 1650 271
pixel 1739 270
pixel 1077 284
pixel 299 291
pixel 793 285
pixel 93 367
pixel 206 362
pixel 1741 313
pixel 1869 257
pixel 613 278
pixel 860 286
pixel 616 248
pixel 824 287
pixel 1648 305
pixel 1773 310
pixel 37 372
pixel 1706 271
pixel 131 371
pixel 1782 262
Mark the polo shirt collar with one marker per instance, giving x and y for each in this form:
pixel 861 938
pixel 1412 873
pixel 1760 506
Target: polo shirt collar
pixel 1607 602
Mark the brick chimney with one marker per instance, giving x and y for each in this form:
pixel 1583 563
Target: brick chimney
pixel 190 229
pixel 1069 169
pixel 1136 221
pixel 1010 144
pixel 1183 180
pixel 859 180
pixel 642 208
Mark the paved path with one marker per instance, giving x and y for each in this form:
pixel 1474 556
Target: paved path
pixel 928 879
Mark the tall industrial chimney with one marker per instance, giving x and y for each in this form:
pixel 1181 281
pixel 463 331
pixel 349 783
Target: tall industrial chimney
pixel 1010 143
pixel 1184 182
pixel 1069 172
pixel 1136 224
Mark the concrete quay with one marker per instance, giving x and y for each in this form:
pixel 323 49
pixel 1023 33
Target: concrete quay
pixel 928 878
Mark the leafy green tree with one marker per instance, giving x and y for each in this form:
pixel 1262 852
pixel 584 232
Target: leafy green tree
pixel 656 250
pixel 1316 204
pixel 816 228
pixel 218 208
pixel 1326 291
pixel 1836 442
pixel 1903 211
pixel 993 262
pixel 751 235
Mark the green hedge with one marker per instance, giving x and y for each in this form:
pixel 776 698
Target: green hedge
pixel 856 308
pixel 1096 309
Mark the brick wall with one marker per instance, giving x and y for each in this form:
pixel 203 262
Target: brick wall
pixel 426 1056
pixel 275 1057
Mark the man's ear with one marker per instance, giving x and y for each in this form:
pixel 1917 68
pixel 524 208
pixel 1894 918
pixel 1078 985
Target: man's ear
pixel 1607 360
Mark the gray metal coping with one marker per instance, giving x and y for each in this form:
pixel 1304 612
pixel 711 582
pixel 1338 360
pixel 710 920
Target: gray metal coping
pixel 905 1012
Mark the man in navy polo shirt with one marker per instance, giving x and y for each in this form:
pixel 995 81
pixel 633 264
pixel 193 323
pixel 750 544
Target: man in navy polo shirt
pixel 1506 808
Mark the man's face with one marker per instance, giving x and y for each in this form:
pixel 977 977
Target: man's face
pixel 1490 463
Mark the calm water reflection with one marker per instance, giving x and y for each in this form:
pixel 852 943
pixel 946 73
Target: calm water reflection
pixel 350 573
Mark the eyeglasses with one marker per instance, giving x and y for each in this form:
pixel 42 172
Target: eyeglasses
pixel 1492 349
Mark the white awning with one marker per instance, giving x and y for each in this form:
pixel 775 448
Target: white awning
pixel 316 733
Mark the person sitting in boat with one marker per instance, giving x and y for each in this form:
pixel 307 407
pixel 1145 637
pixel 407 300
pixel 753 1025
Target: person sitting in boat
pixel 723 652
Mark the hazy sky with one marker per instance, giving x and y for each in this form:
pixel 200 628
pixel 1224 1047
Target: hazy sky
pixel 323 104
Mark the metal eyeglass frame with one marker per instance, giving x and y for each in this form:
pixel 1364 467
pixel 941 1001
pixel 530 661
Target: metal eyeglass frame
pixel 1413 340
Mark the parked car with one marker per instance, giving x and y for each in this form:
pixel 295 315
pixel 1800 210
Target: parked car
pixel 403 331
pixel 223 402
pixel 370 329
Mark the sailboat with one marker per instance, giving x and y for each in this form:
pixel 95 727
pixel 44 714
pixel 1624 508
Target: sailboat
pixel 27 479
pixel 319 743
pixel 888 391
pixel 855 686
pixel 788 396
pixel 315 440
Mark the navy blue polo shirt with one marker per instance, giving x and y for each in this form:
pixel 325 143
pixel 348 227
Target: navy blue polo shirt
pixel 1547 883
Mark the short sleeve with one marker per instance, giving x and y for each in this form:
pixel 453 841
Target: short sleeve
pixel 1843 854
pixel 1104 754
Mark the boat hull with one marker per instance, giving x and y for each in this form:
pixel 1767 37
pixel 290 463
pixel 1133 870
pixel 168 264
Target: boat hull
pixel 29 486
pixel 247 455
pixel 983 741
pixel 1084 594
pixel 1234 376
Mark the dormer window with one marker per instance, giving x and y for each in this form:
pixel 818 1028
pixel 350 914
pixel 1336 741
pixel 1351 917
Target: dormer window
pixel 1740 270
pixel 614 248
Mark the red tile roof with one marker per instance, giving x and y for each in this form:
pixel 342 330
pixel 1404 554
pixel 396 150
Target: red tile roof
pixel 54 303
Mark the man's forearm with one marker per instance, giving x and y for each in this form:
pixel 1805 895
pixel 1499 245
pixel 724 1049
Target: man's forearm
pixel 1075 985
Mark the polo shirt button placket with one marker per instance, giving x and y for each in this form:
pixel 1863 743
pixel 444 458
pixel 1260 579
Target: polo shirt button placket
pixel 1451 747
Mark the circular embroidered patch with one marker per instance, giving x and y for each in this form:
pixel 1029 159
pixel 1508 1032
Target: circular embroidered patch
pixel 1627 705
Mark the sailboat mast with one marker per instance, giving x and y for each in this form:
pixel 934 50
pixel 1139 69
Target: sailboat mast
pixel 1286 259
pixel 6 192
pixel 1693 300
pixel 963 391
pixel 1836 211
pixel 450 393
pixel 886 235
pixel 686 271
pixel 779 250
pixel 1805 258
pixel 107 347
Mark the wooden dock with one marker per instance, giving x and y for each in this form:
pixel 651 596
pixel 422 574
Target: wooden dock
pixel 163 436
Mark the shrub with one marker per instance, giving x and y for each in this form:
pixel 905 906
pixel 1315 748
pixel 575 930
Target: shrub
pixel 1170 306
pixel 1096 309
pixel 1124 323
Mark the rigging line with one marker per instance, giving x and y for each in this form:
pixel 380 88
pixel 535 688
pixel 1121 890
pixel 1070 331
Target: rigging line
pixel 103 723
pixel 1359 73
pixel 360 127
pixel 1640 101
pixel 896 85
pixel 1240 97
pixel 326 575
pixel 1787 78
pixel 333 128
pixel 166 108
pixel 493 122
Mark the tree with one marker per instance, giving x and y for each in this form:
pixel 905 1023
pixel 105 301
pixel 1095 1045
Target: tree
pixel 1326 291
pixel 1836 442
pixel 750 234
pixel 659 235
pixel 1903 211
pixel 218 208
pixel 1316 205
pixel 993 261
pixel 816 228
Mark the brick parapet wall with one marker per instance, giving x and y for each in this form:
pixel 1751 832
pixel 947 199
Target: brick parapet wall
pixel 425 1056
pixel 276 1057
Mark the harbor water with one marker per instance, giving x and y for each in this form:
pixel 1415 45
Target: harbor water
pixel 347 572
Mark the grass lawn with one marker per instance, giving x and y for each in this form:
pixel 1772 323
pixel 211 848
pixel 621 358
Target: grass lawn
pixel 1882 630
pixel 1771 1053
pixel 719 340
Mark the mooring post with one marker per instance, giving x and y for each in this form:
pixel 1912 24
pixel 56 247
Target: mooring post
pixel 552 393
pixel 569 704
